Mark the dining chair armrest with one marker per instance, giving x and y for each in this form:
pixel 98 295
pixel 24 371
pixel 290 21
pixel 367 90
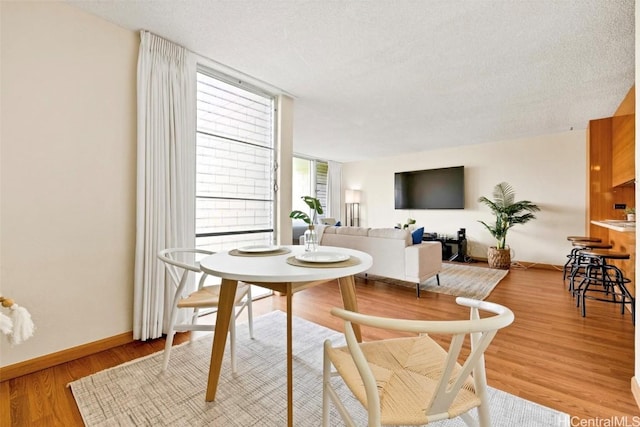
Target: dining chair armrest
pixel 502 317
pixel 195 267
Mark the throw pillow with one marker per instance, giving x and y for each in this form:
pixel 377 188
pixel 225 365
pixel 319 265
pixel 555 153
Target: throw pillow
pixel 337 224
pixel 416 235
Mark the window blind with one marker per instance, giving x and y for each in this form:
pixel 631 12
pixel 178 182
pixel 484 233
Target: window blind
pixel 235 177
pixel 322 181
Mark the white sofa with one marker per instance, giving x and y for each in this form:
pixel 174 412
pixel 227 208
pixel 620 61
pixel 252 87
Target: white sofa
pixel 394 254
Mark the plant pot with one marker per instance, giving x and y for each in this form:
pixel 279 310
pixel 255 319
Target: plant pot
pixel 631 217
pixel 499 258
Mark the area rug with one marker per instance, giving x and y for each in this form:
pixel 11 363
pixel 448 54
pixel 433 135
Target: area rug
pixel 135 394
pixel 460 280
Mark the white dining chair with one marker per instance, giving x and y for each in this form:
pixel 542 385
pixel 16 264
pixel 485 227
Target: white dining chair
pixel 413 380
pixel 180 262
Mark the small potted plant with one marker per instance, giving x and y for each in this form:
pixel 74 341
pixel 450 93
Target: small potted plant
pixel 310 236
pixel 631 214
pixel 410 224
pixel 508 213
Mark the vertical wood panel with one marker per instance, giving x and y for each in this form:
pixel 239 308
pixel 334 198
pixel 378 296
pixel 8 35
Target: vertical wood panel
pixel 601 198
pixel 628 104
pixel 611 177
pixel 623 139
pixel 623 178
pixel 625 194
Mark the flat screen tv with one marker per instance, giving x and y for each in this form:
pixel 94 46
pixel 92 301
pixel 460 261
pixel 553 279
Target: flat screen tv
pixel 430 189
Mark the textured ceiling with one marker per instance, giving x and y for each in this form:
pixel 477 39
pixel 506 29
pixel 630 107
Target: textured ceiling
pixel 377 78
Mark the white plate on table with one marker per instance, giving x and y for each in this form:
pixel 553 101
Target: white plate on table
pixel 322 257
pixel 259 248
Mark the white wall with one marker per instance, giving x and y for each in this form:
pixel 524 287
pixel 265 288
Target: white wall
pixel 67 199
pixel 547 170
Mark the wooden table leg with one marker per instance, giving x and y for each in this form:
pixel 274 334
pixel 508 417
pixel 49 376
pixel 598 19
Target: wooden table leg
pixel 289 355
pixel 223 318
pixel 348 291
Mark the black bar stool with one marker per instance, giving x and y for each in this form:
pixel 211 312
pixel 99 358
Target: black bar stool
pixel 577 263
pixel 572 257
pixel 601 278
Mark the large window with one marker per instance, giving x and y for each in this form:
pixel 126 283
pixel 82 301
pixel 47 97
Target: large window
pixel 235 202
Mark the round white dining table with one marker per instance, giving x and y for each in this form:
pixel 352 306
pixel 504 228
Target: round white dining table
pixel 274 270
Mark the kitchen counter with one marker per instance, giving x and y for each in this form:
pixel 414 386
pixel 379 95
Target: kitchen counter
pixel 617 225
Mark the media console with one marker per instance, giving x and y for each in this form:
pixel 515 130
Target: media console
pixel 448 245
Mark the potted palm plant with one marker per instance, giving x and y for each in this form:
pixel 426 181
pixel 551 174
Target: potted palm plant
pixel 508 212
pixel 310 236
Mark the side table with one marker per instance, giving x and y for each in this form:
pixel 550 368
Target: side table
pixel 448 245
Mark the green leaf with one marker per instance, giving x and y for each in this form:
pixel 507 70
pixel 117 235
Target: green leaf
pixel 314 205
pixel 300 215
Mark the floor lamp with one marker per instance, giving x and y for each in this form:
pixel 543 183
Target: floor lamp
pixel 352 207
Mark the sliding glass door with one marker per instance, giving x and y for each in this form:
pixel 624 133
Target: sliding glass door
pixel 310 178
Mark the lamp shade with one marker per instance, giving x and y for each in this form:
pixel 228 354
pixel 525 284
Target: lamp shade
pixel 352 196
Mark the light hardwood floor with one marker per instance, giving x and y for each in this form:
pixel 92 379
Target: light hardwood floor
pixel 549 355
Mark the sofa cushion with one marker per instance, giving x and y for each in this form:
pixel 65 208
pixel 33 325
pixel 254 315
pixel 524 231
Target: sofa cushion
pixel 330 229
pixel 352 231
pixel 391 233
pixel 388 233
pixel 417 235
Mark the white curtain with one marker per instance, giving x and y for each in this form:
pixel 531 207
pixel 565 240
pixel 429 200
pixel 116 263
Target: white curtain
pixel 335 191
pixel 166 162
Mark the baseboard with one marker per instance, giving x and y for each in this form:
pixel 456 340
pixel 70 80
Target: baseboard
pixel 525 264
pixel 53 359
pixel 635 389
pixel 541 266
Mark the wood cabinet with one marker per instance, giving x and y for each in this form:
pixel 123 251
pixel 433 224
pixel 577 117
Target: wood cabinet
pixel 602 194
pixel 611 179
pixel 623 138
pixel 611 173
